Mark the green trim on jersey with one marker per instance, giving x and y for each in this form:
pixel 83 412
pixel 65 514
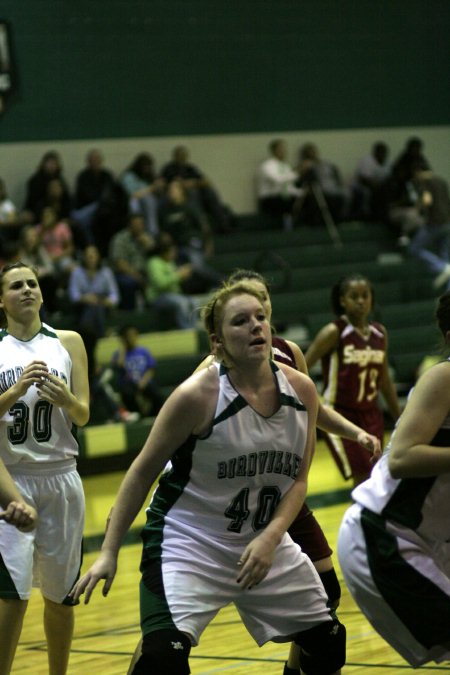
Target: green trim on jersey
pixel 419 603
pixel 45 330
pixel 284 398
pixel 154 611
pixel 239 402
pixel 8 590
pixel 48 332
pixel 152 534
pixel 235 406
pixel 290 400
pixel 405 505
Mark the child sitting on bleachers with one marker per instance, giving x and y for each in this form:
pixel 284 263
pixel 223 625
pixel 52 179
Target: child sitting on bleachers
pixel 135 368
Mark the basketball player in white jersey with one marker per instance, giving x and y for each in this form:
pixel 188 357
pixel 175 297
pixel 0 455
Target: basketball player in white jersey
pixel 394 542
pixel 240 436
pixel 44 395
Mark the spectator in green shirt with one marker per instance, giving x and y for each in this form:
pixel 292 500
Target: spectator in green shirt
pixel 164 287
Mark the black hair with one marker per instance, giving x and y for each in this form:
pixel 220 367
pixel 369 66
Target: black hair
pixel 443 313
pixel 50 154
pixel 340 288
pixel 274 144
pixel 139 163
pixel 123 330
pixel 164 242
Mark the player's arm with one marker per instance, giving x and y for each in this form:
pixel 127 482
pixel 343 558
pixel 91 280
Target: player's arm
pixel 411 454
pixel 16 511
pixel 325 342
pixel 387 387
pixel 331 421
pixel 207 361
pixel 299 357
pixel 74 397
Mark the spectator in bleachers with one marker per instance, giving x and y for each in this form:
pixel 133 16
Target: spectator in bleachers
pixel 198 188
pixel 93 292
pixel 34 254
pixel 128 253
pixel 431 241
pixel 314 170
pixel 191 232
pixel 402 207
pixel 276 184
pixel 57 238
pixel 9 253
pixel 100 200
pixel 164 287
pixel 37 195
pixel 136 366
pixel 144 189
pixel 106 403
pixel 9 214
pixel 371 172
pixel 57 199
pixel 79 220
pixel 409 159
pixel 11 219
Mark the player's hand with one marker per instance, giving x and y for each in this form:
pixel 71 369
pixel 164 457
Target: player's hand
pixel 21 515
pixel 33 373
pixel 255 562
pixel 54 390
pixel 105 567
pixel 370 443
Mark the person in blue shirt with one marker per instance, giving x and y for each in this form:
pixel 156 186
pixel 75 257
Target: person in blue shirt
pixel 135 366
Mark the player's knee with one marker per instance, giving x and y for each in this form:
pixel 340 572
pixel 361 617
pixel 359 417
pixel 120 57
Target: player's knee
pixel 164 652
pixel 332 587
pixel 322 648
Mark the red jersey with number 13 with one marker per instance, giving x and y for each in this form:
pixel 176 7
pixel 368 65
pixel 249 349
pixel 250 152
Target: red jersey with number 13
pixel 352 372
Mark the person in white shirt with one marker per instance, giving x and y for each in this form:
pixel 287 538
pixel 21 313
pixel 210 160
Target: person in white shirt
pixel 276 183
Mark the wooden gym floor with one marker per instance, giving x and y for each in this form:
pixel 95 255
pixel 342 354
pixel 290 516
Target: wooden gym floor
pixel 107 630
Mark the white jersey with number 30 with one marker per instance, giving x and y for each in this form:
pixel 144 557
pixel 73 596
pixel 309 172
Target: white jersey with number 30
pixel 34 430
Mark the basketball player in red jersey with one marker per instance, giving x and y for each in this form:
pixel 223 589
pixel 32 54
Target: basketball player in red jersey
pixel 355 369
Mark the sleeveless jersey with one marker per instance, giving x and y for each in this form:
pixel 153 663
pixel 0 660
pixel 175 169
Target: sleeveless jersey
pixel 228 483
pixel 352 372
pixel 421 505
pixel 33 430
pixel 282 352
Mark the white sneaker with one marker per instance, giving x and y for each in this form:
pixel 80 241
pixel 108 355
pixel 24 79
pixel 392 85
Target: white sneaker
pixel 127 416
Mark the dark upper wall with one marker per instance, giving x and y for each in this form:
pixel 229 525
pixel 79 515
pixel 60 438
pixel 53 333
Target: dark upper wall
pixel 122 68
